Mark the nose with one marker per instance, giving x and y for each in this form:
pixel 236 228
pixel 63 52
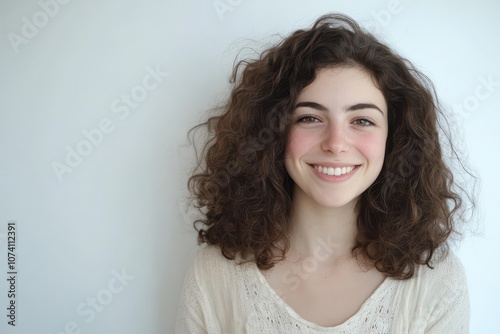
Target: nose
pixel 335 139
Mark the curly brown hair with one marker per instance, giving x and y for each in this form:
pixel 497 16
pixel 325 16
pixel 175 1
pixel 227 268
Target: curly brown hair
pixel 240 183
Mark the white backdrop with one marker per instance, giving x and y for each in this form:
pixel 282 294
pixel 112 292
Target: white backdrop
pixel 95 103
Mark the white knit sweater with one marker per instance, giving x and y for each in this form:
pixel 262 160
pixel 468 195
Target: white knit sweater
pixel 221 297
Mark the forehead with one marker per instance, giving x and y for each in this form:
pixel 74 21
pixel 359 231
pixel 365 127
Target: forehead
pixel 343 85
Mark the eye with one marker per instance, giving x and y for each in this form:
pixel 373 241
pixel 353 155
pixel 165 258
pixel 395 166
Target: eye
pixel 363 122
pixel 307 119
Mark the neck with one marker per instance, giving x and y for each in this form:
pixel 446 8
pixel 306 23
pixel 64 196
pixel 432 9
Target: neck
pixel 319 231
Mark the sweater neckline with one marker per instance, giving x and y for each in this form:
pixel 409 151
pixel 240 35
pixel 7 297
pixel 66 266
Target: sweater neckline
pixel 366 304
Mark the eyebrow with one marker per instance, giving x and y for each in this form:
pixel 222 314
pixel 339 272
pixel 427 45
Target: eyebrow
pixel 322 108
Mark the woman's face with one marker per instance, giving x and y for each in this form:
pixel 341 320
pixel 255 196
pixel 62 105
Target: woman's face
pixel 337 142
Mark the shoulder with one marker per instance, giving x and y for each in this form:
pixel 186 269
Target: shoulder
pixel 435 298
pixel 437 286
pixel 445 274
pixel 221 280
pixel 211 255
pixel 211 265
pixel 447 271
pixel 208 254
pixel 211 294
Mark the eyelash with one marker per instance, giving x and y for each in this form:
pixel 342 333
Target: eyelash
pixel 310 117
pixel 313 119
pixel 366 122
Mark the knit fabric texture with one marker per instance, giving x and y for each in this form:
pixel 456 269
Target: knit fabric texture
pixel 221 297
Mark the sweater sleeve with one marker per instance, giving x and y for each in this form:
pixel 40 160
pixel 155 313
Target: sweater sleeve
pixel 190 315
pixel 451 313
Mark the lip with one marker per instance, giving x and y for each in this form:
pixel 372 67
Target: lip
pixel 334 178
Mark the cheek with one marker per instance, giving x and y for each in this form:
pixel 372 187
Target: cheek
pixel 373 147
pixel 297 144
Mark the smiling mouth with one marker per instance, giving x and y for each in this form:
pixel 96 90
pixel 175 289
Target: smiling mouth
pixel 336 171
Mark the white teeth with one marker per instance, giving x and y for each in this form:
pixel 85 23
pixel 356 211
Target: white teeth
pixel 334 171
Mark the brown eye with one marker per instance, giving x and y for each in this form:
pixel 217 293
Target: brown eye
pixel 307 119
pixel 363 122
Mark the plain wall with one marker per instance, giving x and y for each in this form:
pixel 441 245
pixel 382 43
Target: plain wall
pixel 104 242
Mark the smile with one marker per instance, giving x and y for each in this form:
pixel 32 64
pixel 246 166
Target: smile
pixel 337 171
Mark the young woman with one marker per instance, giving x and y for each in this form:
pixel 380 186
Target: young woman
pixel 327 204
